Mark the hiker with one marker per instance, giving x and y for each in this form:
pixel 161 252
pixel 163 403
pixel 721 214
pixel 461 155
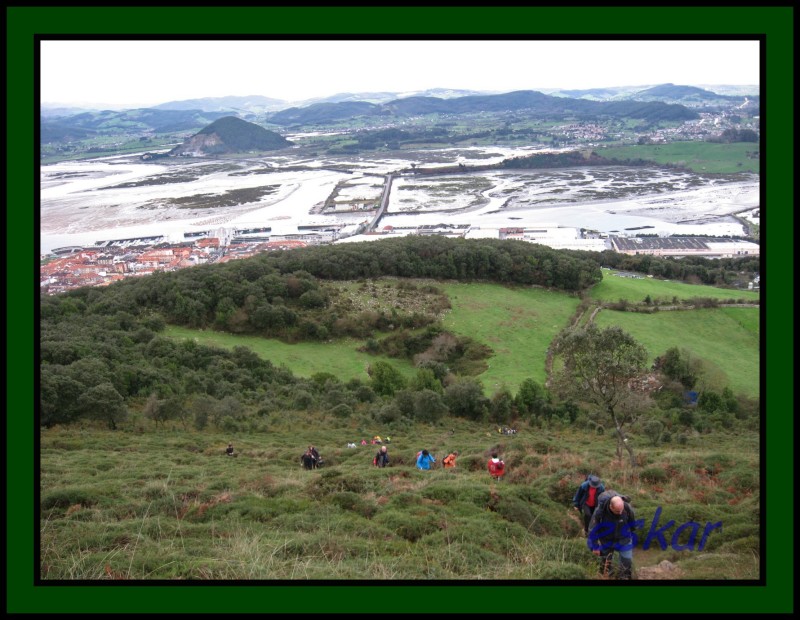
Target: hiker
pixel 382 458
pixel 388 440
pixel 496 466
pixel 229 450
pixel 308 461
pixel 450 459
pixel 313 451
pixel 425 460
pixel 585 500
pixel 611 529
pixel 377 439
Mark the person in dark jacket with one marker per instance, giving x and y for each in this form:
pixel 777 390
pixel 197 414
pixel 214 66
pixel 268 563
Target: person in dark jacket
pixel 585 500
pixel 611 529
pixel 308 461
pixel 382 458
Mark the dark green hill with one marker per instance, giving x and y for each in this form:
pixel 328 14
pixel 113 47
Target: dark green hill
pixel 325 112
pixel 532 102
pixel 231 135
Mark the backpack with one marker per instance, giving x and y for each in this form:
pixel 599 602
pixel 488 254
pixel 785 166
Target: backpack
pixel 375 460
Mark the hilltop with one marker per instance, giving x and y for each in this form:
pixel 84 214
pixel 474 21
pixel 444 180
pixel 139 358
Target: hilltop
pixel 532 102
pixel 231 135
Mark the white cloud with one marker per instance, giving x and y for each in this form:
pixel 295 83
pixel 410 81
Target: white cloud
pixel 151 72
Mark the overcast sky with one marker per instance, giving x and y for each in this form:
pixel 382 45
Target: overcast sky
pixel 141 73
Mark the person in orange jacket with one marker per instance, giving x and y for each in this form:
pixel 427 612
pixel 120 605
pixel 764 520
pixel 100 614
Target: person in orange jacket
pixel 450 459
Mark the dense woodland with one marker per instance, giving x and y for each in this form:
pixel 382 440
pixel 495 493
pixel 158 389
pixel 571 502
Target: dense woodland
pixel 101 351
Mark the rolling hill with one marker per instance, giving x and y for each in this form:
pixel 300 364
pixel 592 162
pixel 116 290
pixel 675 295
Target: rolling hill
pixel 231 135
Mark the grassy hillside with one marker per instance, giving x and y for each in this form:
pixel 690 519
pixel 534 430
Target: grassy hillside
pixel 729 351
pixel 340 358
pixel 613 288
pixel 170 505
pixel 519 324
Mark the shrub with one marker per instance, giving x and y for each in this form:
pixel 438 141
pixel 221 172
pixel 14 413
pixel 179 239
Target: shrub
pixel 229 425
pixel 342 411
pixel 348 500
pixel 554 571
pixel 653 429
pixel 654 474
pixel 64 498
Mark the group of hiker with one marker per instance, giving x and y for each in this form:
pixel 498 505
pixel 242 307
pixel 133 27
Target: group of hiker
pixel 608 517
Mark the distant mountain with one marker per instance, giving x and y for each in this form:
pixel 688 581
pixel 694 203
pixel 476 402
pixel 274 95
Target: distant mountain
pixel 592 94
pixel 53 131
pixel 252 104
pixel 692 96
pixel 109 122
pixel 385 96
pixel 529 101
pixel 231 135
pixel 325 112
pixel 56 111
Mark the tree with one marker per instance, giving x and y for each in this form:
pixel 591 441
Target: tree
pixel 465 399
pixel 104 403
pixel 531 398
pixel 598 366
pixel 678 364
pixel 386 379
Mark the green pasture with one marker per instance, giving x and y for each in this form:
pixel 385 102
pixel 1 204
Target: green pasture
pixel 340 358
pixel 613 288
pixel 703 157
pixel 519 324
pixel 726 339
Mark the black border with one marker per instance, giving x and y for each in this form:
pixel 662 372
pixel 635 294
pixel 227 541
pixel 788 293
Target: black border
pixel 25 24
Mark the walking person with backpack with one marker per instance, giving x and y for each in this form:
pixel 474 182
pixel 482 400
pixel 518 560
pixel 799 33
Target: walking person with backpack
pixel 496 466
pixel 425 460
pixel 307 460
pixel 611 529
pixel 585 500
pixel 382 458
pixel 450 460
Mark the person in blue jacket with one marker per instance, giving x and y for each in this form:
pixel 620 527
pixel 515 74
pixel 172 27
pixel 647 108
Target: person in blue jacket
pixel 585 500
pixel 425 460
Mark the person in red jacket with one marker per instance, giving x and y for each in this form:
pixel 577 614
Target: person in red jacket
pixel 497 467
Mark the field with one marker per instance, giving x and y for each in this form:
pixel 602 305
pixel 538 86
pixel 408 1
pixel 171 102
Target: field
pixel 613 288
pixel 340 358
pixel 729 350
pixel 519 324
pixel 703 157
